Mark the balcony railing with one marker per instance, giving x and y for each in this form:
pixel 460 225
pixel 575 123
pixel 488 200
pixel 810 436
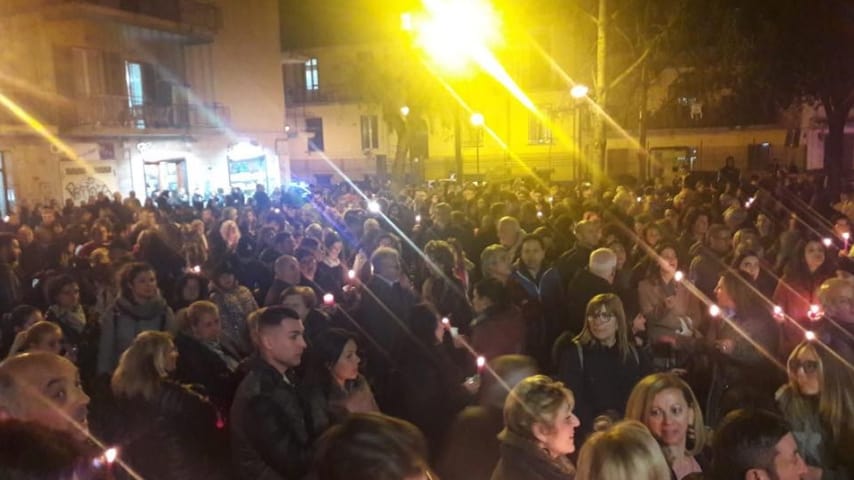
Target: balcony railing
pixel 192 13
pixel 115 112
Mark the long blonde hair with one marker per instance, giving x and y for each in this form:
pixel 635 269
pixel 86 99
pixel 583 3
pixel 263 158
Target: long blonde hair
pixel 612 304
pixel 637 408
pixel 835 398
pixel 142 367
pixel 626 451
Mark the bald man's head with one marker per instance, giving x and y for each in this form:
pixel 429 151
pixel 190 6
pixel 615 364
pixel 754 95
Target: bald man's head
pixel 603 264
pixel 44 388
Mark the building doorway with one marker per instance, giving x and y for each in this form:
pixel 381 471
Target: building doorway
pixel 166 175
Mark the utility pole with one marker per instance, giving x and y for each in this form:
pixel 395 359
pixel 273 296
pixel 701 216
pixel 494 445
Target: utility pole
pixel 600 143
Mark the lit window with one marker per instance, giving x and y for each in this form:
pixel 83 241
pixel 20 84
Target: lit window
pixel 370 132
pixel 312 82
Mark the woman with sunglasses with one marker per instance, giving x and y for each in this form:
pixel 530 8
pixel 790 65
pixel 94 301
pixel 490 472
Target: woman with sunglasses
pixel 819 405
pixel 600 365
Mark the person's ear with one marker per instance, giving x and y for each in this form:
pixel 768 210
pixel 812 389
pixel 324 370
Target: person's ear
pixel 541 432
pixel 756 474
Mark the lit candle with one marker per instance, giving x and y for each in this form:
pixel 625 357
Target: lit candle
pixel 827 242
pixel 778 311
pixel 197 269
pixel 846 236
pixel 329 299
pixel 814 312
pixel 351 274
pixel 446 322
pixel 481 362
pixel 111 454
pixel 809 335
pixel 714 310
pixel 678 276
pixel 418 219
pixel 539 214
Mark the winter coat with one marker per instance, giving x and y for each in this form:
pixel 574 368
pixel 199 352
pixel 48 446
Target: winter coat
pixel 522 459
pixel 176 435
pixel 11 292
pixel 600 379
pixel 274 423
pixel 214 371
pixel 123 321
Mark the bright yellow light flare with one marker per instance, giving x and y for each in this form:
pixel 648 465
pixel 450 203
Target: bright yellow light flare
pixel 42 131
pixel 404 110
pixel 579 91
pixel 452 32
pixel 477 119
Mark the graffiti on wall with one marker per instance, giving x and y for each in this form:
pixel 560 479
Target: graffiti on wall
pixel 81 190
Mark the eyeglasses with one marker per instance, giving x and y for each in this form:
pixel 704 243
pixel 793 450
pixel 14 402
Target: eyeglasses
pixel 602 317
pixel 809 366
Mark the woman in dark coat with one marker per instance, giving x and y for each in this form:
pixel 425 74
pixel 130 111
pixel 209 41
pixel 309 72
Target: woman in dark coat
pixel 746 339
pixel 428 387
pixel 203 360
pixel 795 292
pixel 80 335
pixel 600 365
pixel 163 429
pixel 539 432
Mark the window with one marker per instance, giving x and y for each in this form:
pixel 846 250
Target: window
pixel 136 93
pixel 312 83
pixel 539 132
pixel 370 132
pixel 314 126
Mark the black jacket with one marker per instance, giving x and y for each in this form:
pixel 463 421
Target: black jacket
pixel 583 287
pixel 272 426
pixel 199 365
pixel 176 436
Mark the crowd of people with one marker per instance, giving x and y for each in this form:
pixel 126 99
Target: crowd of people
pixel 511 330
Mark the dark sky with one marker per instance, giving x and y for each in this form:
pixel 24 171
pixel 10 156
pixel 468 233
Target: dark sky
pixel 307 23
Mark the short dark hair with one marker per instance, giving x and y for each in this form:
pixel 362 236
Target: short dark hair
pixel 282 236
pixel 746 439
pixel 128 273
pixel 56 284
pixel 273 316
pixel 494 290
pixel 371 446
pixel 531 237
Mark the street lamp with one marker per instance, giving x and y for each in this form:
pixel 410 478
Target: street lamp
pixel 477 121
pixel 404 110
pixel 579 91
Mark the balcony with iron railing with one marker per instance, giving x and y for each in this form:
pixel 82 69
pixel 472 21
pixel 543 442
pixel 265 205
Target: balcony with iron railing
pixel 196 20
pixel 116 115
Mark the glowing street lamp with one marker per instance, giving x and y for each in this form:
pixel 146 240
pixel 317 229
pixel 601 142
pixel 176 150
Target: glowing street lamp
pixel 404 110
pixel 454 33
pixel 477 122
pixel 579 91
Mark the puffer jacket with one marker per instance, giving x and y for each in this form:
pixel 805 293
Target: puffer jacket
pixel 123 321
pixel 274 423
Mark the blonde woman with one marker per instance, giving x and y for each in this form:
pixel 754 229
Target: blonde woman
pixel 600 365
pixel 669 409
pixel 168 432
pixel 539 432
pixel 819 405
pixel 626 451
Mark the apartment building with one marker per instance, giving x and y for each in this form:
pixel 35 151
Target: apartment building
pixel 144 95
